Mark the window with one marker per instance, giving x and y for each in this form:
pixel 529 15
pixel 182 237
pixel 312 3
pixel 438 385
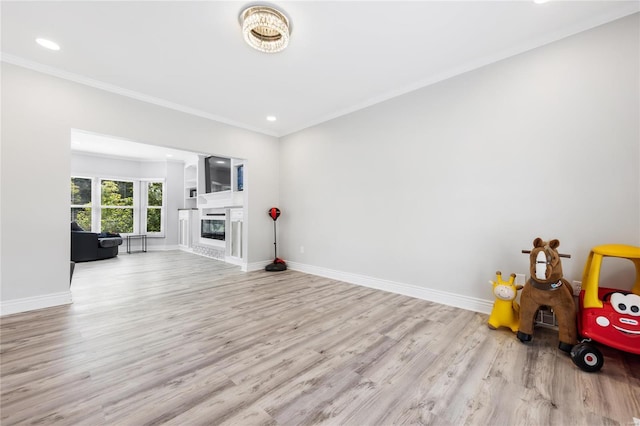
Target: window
pixel 119 206
pixel 116 206
pixel 154 207
pixel 81 189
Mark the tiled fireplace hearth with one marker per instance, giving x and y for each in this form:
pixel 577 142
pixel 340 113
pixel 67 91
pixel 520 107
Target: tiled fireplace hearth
pixel 209 251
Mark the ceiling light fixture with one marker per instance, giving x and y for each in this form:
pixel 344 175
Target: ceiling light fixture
pixel 48 44
pixel 271 118
pixel 265 28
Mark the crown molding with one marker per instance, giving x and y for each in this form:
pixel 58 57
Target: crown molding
pixel 76 78
pixel 625 9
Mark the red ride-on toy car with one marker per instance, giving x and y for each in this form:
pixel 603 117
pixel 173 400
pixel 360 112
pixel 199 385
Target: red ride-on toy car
pixel 607 315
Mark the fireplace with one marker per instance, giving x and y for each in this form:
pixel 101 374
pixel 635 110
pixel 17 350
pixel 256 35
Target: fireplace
pixel 212 227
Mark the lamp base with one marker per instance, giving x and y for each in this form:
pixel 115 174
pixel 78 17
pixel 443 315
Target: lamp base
pixel 276 267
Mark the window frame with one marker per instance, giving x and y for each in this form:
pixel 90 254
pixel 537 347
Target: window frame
pixel 84 206
pixel 140 204
pixel 132 207
pixel 145 207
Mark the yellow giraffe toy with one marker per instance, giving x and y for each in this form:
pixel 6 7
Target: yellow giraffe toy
pixel 506 312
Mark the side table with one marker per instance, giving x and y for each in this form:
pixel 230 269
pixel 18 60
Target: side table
pixel 142 237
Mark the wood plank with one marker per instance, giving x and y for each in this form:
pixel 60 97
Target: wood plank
pixel 175 338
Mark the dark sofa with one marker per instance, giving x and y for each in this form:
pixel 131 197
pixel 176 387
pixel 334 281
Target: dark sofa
pixel 86 246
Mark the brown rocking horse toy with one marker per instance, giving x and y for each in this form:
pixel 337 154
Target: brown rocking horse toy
pixel 547 287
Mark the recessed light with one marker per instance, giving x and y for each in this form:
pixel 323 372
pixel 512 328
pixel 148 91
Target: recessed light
pixel 540 1
pixel 271 118
pixel 169 155
pixel 48 44
pixel 221 162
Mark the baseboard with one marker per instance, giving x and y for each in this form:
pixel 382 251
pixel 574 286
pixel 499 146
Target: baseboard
pixel 15 306
pixel 236 261
pixel 257 266
pixel 233 260
pixel 438 296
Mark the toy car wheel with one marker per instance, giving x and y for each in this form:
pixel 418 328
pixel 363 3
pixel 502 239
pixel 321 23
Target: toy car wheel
pixel 587 357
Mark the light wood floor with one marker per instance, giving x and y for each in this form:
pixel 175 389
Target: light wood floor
pixel 170 337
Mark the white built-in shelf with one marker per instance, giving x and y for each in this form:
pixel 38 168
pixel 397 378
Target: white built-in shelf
pixel 190 185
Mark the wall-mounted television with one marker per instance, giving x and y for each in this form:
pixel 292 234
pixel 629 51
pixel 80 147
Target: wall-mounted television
pixel 217 174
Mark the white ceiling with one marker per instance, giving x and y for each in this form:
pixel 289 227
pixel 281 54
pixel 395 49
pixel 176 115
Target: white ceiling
pixel 343 55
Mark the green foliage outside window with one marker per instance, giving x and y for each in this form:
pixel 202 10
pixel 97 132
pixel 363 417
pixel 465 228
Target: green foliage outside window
pixel 116 212
pixel 155 194
pixel 153 220
pixel 116 221
pixel 82 216
pixel 116 194
pixel 154 199
pixel 80 191
pixel 81 196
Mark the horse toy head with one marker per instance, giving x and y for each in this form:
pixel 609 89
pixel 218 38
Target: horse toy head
pixel 544 260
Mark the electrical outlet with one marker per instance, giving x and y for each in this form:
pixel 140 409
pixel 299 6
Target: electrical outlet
pixel 577 287
pixel 520 279
pixel 302 249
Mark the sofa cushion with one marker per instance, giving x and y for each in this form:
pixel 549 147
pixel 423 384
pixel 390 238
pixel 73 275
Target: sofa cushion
pixel 107 234
pixel 76 227
pixel 109 242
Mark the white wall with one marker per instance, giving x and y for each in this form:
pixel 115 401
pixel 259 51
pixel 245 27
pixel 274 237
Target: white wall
pixel 38 113
pixel 171 171
pixel 441 187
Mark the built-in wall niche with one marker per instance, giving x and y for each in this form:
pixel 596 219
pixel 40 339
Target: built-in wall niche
pixel 221 182
pixel 190 186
